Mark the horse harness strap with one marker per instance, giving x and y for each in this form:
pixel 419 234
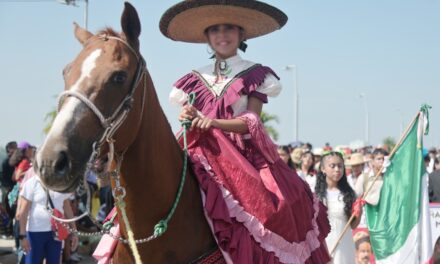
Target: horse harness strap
pixel 112 123
pixel 214 256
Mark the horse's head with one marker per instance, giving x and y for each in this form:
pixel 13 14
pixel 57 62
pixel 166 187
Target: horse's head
pixel 100 87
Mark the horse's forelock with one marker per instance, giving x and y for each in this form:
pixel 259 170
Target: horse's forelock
pixel 109 32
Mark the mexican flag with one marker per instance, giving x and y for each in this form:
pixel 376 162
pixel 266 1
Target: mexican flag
pixel 399 225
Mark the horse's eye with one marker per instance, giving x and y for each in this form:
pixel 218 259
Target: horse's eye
pixel 119 77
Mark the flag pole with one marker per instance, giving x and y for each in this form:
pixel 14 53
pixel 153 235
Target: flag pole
pixel 374 180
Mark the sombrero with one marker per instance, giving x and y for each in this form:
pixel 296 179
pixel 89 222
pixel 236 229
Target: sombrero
pixel 356 159
pixel 188 20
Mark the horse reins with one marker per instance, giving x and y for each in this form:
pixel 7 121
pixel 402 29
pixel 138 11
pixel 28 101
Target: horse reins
pixel 111 125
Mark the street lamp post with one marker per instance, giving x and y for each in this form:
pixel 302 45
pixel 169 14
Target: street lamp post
pixel 400 120
pixel 294 70
pixel 367 122
pixel 86 9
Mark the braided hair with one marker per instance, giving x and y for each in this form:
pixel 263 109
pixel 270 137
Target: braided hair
pixel 343 186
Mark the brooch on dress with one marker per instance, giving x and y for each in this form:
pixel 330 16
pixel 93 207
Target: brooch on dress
pixel 221 70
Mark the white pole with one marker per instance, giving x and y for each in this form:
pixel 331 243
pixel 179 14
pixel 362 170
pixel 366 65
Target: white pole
pixel 367 122
pixel 86 9
pixel 86 14
pixel 295 100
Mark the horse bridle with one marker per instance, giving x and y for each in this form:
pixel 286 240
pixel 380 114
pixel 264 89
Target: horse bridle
pixel 112 123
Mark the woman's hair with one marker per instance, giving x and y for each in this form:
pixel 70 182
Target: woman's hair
pixel 17 156
pixel 287 150
pixel 311 169
pixel 343 186
pixel 242 45
pixel 379 151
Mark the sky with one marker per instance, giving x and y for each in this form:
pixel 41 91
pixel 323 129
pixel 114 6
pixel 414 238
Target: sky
pixel 387 51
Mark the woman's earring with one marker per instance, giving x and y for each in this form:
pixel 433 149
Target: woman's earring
pixel 209 49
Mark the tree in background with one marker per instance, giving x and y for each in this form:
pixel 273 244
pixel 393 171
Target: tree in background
pixel 389 143
pixel 267 118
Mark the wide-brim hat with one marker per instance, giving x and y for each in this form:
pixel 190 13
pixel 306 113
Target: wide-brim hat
pixel 356 159
pixel 188 20
pixel 296 155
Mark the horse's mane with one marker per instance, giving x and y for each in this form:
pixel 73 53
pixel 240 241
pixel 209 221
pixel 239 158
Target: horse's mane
pixel 109 32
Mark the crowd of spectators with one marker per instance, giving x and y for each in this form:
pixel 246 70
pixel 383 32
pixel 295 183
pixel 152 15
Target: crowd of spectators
pixel 359 165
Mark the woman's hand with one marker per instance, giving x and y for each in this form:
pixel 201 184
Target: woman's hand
pixel 202 123
pixel 74 242
pixel 199 121
pixel 357 206
pixel 188 112
pixel 25 245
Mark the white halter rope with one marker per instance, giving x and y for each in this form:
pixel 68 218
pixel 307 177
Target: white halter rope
pixel 110 125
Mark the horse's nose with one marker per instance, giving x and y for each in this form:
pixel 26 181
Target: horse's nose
pixel 61 166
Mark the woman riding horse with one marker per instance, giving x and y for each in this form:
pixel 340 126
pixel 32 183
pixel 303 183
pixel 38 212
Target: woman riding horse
pixel 259 210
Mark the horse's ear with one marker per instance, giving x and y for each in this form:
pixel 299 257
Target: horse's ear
pixel 131 26
pixel 81 34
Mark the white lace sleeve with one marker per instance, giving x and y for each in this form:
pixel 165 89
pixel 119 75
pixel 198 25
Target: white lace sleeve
pixel 178 97
pixel 271 86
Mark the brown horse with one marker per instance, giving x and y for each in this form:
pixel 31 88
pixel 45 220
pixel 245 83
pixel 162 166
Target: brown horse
pixel 98 84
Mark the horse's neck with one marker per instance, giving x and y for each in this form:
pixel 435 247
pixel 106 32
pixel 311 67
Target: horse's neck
pixel 151 173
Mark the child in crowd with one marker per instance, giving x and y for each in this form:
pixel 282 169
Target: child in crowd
pixel 334 191
pixel 306 169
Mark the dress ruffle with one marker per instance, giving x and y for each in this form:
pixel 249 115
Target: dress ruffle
pixel 220 106
pixel 257 236
pixel 287 252
pixel 259 210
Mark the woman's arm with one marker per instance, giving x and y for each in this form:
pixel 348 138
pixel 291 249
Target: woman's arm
pixel 69 214
pixel 23 213
pixel 357 208
pixel 18 174
pixel 355 222
pixel 235 125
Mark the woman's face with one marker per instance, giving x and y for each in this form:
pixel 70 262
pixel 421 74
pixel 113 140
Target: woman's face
pixel 357 169
pixel 333 167
pixel 378 162
pixel 307 160
pixel 224 39
pixel 283 155
pixel 29 153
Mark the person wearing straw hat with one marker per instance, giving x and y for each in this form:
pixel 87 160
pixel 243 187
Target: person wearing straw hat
pixel 259 210
pixel 367 179
pixel 357 164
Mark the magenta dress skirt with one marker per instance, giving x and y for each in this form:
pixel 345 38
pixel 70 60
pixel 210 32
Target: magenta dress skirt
pixel 258 209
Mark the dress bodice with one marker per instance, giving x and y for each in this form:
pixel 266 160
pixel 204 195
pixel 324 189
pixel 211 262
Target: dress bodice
pixel 344 253
pixel 335 205
pixel 237 79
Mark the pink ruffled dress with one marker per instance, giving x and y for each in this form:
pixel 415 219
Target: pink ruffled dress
pixel 259 210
